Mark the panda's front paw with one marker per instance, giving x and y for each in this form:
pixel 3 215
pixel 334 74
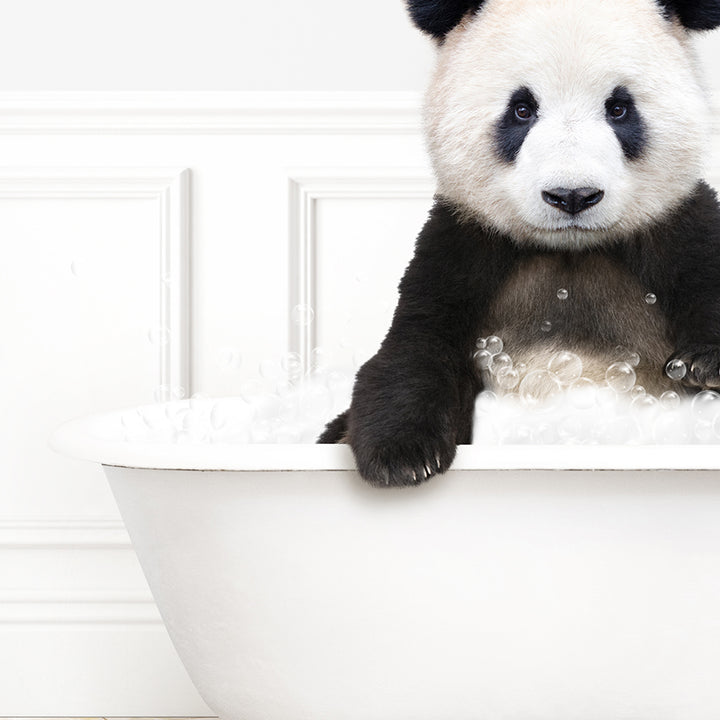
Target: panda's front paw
pixel 408 457
pixel 702 363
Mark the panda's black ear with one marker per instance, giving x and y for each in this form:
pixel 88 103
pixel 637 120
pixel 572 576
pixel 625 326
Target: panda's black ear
pixel 439 17
pixel 694 14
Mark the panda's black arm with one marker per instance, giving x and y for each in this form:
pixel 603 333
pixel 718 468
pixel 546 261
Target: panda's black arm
pixel 679 261
pixel 413 401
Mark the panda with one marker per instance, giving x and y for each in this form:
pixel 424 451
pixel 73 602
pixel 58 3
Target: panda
pixel 567 138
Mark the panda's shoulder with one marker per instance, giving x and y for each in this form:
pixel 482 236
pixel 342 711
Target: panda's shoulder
pixel 696 222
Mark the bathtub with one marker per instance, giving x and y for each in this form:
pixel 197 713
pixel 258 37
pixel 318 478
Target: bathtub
pixel 527 583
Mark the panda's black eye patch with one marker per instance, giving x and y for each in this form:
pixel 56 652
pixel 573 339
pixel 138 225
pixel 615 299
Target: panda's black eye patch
pixel 514 125
pixel 625 120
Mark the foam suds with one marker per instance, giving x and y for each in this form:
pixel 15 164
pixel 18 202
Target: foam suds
pixel 556 405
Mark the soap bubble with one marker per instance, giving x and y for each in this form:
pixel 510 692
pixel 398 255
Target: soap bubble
pixel 676 369
pixel 703 431
pixel 637 391
pixel 670 400
pixel 512 401
pixel 620 377
pixel 538 389
pixel 651 298
pixel 508 378
pixel 562 294
pixel 623 354
pixel 706 405
pixel 643 401
pixel 302 315
pixel 159 336
pixel 499 362
pixel 161 393
pixel 494 345
pixel 482 359
pixel 546 326
pixel 566 367
pixel 319 360
pixel 292 364
pixel 486 401
pixel 481 343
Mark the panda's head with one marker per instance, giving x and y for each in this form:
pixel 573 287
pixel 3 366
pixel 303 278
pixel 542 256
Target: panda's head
pixel 566 123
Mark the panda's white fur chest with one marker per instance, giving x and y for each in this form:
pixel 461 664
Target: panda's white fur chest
pixel 587 304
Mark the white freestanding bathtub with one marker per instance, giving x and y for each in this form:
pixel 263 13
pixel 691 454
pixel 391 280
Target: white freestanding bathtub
pixel 528 583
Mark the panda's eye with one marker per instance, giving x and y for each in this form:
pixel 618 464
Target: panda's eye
pixel 523 111
pixel 618 111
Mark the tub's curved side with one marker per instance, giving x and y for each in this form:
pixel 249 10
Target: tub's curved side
pixel 539 594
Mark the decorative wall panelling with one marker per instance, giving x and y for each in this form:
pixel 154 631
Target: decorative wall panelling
pixel 203 113
pixel 307 190
pixel 169 189
pixel 272 201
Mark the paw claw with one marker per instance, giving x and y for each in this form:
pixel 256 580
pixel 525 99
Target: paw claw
pixel 703 366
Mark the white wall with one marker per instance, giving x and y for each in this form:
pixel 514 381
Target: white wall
pixel 221 45
pixel 92 188
pixel 211 45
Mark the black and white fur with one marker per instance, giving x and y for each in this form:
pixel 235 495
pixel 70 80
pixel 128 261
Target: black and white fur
pixel 567 139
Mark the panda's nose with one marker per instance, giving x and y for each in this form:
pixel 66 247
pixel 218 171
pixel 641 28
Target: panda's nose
pixel 573 201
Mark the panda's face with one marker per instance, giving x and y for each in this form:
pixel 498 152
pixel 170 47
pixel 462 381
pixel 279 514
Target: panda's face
pixel 566 123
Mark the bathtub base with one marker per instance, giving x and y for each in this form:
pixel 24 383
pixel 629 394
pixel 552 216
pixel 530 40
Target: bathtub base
pixel 482 595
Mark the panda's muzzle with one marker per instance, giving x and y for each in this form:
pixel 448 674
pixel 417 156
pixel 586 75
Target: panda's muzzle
pixel 573 201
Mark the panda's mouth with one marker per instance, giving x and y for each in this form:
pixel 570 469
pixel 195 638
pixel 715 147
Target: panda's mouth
pixel 574 232
pixel 580 227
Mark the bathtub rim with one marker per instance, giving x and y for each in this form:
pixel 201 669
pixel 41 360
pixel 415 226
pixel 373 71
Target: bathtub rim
pixel 79 439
